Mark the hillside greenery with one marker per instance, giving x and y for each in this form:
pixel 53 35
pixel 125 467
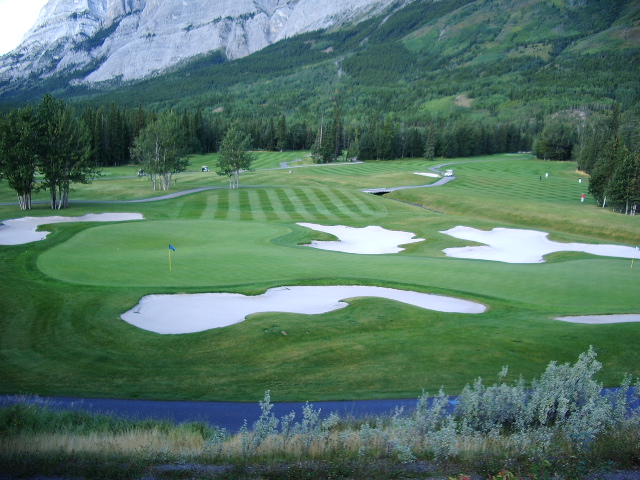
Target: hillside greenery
pixel 494 68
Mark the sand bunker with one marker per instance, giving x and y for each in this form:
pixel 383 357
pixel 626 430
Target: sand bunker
pixel 601 319
pixel 23 230
pixel 523 246
pixel 434 175
pixel 188 313
pixel 370 240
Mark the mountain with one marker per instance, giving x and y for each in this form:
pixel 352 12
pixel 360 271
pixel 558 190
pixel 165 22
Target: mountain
pixel 400 64
pixel 102 40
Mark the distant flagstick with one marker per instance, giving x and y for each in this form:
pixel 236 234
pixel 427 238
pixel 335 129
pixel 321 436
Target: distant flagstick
pixel 170 250
pixel 634 256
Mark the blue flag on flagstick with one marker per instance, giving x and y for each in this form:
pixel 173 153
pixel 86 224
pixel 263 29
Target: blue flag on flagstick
pixel 171 248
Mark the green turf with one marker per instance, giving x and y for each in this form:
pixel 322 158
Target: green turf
pixel 60 331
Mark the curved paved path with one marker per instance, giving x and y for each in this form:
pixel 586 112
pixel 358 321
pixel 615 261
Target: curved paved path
pixel 436 169
pixel 283 165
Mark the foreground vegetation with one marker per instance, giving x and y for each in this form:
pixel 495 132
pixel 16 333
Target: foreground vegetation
pixel 562 427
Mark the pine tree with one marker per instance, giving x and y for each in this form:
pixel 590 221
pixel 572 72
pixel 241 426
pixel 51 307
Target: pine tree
pixel 430 143
pixel 282 142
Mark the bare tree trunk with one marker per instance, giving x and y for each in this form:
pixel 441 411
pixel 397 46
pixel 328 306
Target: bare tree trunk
pixel 64 198
pixel 54 197
pixel 24 201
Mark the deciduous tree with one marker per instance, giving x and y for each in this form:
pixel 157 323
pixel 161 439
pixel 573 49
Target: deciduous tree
pixel 64 150
pixel 18 156
pixel 234 156
pixel 161 150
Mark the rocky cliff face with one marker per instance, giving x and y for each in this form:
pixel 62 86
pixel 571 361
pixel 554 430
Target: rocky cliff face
pixel 102 40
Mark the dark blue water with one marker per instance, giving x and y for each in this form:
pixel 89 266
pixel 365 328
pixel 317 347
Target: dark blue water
pixel 228 415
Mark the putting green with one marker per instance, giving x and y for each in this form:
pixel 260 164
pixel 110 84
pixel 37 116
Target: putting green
pixel 219 255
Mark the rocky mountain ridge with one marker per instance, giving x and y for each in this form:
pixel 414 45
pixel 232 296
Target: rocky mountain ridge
pixel 104 40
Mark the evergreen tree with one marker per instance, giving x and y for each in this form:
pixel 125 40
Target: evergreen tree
pixel 140 121
pixel 430 143
pixel 623 187
pixel 556 141
pixel 282 140
pixel 415 144
pixel 603 171
pixel 270 141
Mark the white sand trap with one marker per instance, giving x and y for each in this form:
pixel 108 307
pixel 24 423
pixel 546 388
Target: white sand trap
pixel 433 175
pixel 601 319
pixel 188 313
pixel 372 240
pixel 523 246
pixel 23 230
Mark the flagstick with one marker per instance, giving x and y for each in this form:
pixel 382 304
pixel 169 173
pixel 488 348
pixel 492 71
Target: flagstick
pixel 170 260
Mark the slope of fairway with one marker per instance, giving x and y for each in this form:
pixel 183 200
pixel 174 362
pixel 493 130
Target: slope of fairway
pixel 62 298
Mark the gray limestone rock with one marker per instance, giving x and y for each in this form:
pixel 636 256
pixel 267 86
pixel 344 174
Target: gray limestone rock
pixel 133 39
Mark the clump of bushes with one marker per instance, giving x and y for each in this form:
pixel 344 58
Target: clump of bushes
pixel 560 423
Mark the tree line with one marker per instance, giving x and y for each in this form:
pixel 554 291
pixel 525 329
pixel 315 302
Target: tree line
pixel 66 145
pixel 607 147
pixel 609 151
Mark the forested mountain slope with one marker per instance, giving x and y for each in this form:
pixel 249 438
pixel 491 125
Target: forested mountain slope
pixel 447 78
pixel 513 60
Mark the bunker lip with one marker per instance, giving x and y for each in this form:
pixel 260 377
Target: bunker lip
pixel 190 313
pixel 18 231
pixel 523 246
pixel 600 319
pixel 432 175
pixel 371 240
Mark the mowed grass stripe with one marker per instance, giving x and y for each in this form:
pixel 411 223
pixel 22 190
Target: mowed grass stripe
pixel 257 206
pixel 523 179
pixel 246 209
pixel 233 205
pixel 193 206
pixel 349 204
pixel 337 209
pixel 365 206
pixel 344 210
pixel 297 204
pixel 320 206
pixel 276 204
pixel 374 168
pixel 287 203
pixel 211 211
